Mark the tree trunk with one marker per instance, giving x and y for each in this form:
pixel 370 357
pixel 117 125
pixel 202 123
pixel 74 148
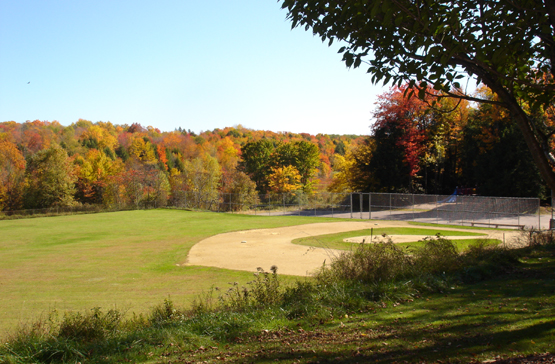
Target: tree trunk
pixel 521 118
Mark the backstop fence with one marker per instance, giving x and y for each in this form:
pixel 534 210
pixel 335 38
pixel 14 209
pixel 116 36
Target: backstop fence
pixel 450 209
pixel 439 209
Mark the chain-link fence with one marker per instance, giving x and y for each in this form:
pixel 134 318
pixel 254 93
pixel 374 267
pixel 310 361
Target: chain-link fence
pixel 320 204
pixel 439 209
pixel 450 209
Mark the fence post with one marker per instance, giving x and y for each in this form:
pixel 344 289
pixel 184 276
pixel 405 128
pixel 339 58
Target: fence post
pixel 351 205
pixel 412 207
pixel 539 216
pixel 390 207
pixel 360 196
pixel 370 206
pixel 437 209
pixel 331 203
pixel 518 213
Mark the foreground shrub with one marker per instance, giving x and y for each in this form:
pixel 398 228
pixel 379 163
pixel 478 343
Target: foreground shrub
pixel 165 313
pixel 69 339
pixel 263 291
pixel 482 260
pixel 383 271
pixel 437 256
pixel 91 326
pixel 368 263
pixel 540 238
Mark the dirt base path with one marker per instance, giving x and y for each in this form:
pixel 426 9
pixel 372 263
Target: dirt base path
pixel 250 249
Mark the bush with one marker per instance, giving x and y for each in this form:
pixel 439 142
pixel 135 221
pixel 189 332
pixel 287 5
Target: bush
pixel 263 291
pixel 482 260
pixel 438 255
pixel 67 340
pixel 368 263
pixel 307 300
pixel 165 313
pixel 541 238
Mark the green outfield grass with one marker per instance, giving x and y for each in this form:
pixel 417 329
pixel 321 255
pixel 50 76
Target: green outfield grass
pixel 128 260
pixel 335 241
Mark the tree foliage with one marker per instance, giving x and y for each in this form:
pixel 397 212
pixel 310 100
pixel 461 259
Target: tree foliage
pixel 496 159
pixel 256 161
pixel 352 171
pixel 12 176
pixel 284 179
pixel 418 148
pixel 400 137
pixel 261 159
pixel 507 45
pixel 51 179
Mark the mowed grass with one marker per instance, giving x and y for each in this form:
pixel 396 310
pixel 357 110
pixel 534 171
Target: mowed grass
pixel 125 260
pixel 335 241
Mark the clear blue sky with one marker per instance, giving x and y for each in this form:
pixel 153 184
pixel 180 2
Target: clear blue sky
pixel 198 65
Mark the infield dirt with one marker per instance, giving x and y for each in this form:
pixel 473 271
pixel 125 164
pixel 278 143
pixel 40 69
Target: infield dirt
pixel 250 249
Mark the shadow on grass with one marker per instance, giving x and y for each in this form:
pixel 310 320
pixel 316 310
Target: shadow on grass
pixel 509 316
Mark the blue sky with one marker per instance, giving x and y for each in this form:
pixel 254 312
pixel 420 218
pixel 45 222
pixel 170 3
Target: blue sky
pixel 198 65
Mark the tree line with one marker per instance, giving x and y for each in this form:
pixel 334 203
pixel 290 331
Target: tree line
pixel 418 145
pixel 45 164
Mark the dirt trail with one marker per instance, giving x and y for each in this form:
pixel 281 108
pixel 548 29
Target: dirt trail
pixel 247 250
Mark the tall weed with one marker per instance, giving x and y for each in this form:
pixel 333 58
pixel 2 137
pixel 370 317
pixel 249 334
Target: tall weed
pixel 166 313
pixel 368 263
pixel 482 260
pixel 263 291
pixel 437 256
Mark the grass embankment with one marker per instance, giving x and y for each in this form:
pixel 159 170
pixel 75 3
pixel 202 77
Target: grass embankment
pixel 125 260
pixel 336 241
pixel 374 304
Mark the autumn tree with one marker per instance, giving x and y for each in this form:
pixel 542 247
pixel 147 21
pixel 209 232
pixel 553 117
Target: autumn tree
pixel 50 179
pixel 443 155
pixel 145 184
pixel 142 149
pixel 12 176
pixel 496 160
pixel 352 170
pixel 99 138
pixel 507 45
pixel 202 180
pixel 92 172
pixel 399 134
pixel 307 159
pixel 284 179
pixel 256 159
pixel 237 190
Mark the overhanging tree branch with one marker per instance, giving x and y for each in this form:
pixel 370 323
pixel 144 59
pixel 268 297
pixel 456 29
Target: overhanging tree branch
pixel 509 45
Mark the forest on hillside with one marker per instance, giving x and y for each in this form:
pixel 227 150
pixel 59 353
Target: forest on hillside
pixel 419 145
